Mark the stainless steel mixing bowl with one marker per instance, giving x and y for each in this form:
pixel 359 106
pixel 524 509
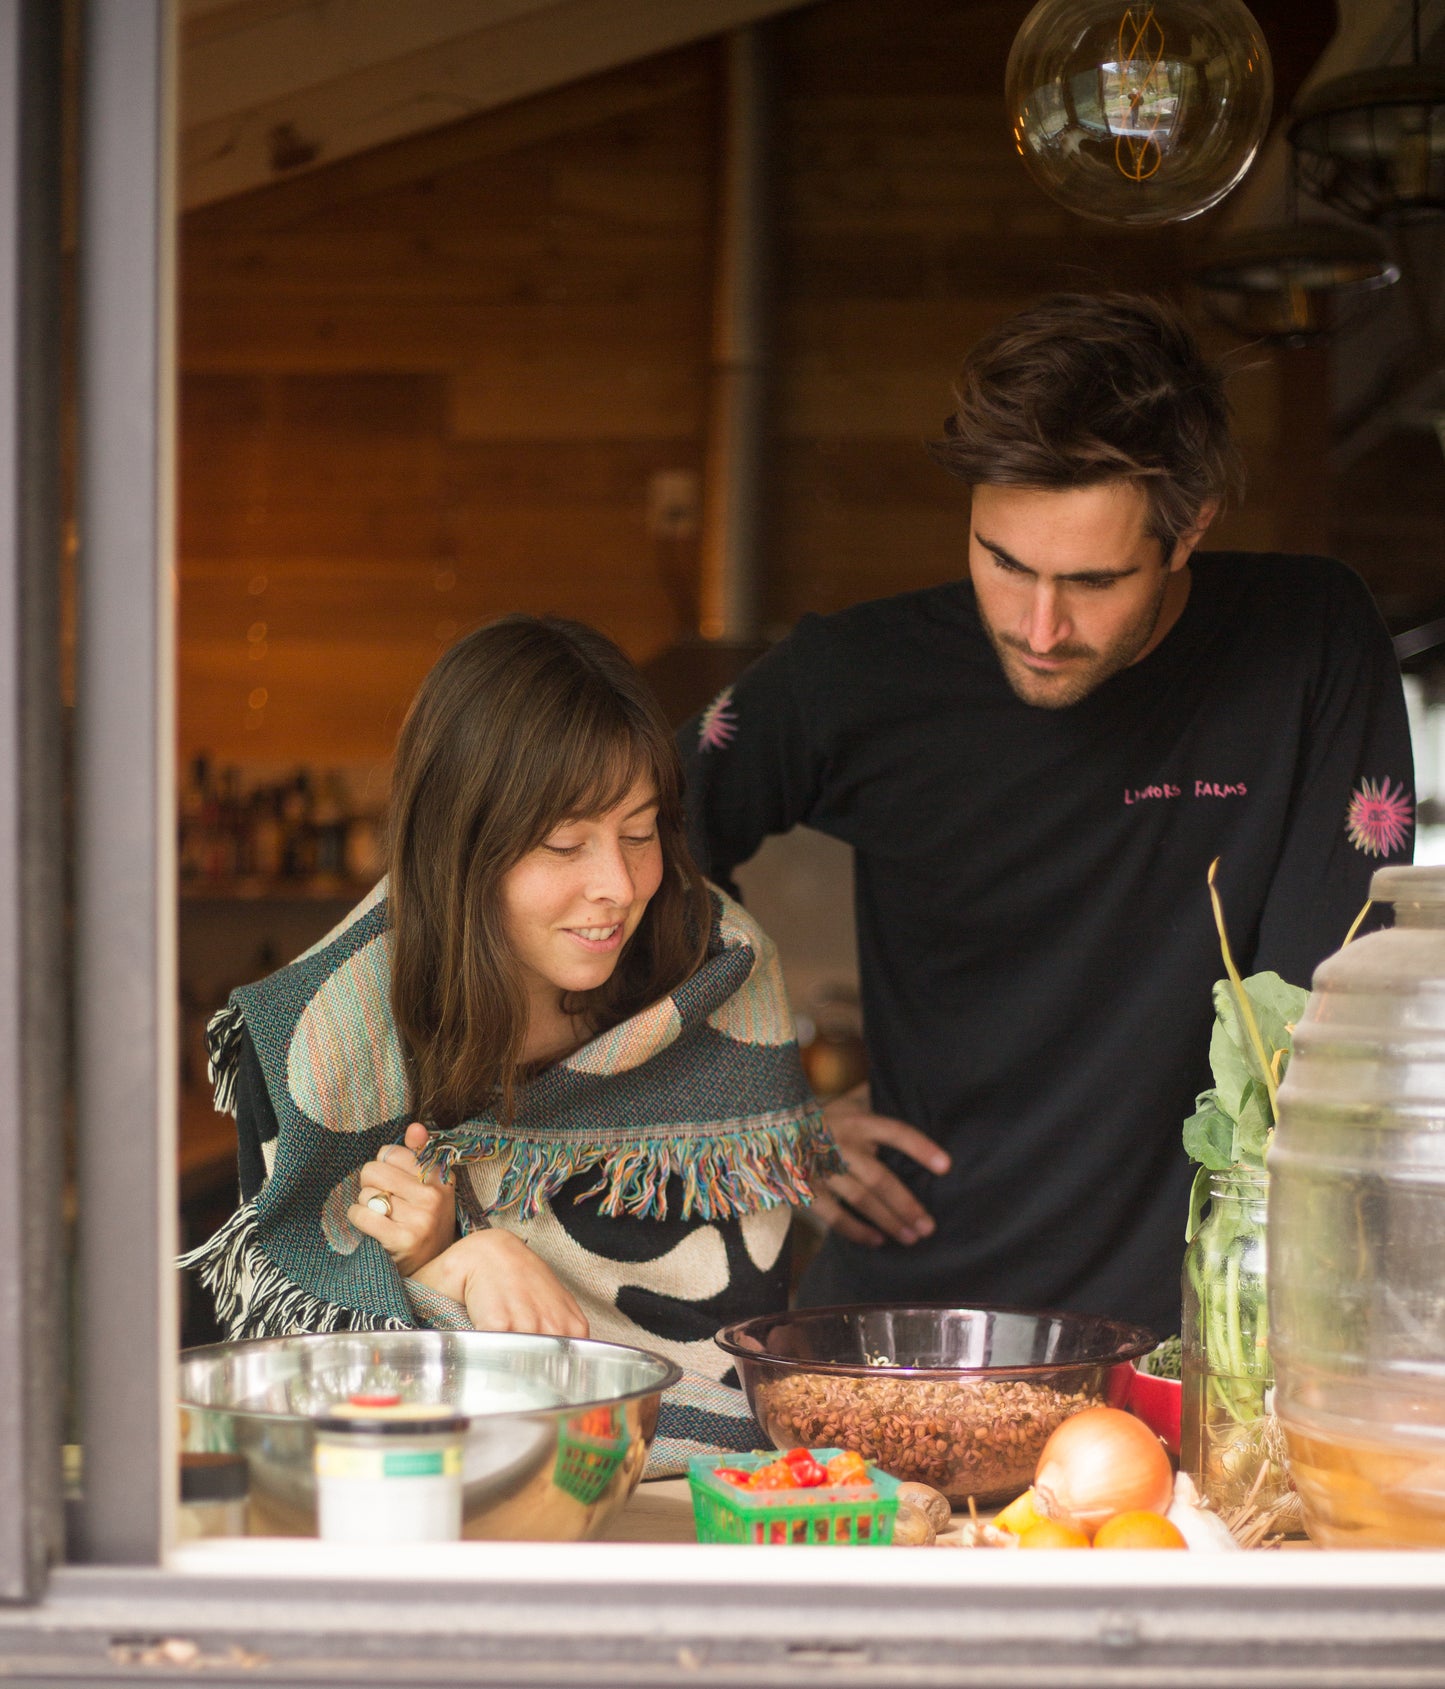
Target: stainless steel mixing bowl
pixel 559 1433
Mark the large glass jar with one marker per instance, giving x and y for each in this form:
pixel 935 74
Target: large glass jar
pixel 1357 1232
pixel 1229 1442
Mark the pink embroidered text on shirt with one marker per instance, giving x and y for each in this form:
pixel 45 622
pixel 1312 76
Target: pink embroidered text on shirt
pixel 1202 789
pixel 1142 794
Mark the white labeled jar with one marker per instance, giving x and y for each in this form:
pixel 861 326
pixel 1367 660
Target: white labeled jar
pixel 389 1473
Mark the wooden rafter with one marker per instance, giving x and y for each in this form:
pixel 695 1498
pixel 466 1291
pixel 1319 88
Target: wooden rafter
pixel 276 88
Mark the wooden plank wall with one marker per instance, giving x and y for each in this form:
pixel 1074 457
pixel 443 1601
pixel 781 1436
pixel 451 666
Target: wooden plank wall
pixel 433 382
pixel 432 385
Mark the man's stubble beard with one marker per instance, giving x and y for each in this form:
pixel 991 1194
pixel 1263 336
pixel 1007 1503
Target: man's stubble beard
pixel 1071 686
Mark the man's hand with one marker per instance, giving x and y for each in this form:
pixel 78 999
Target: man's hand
pixel 868 1188
pixel 504 1286
pixel 423 1218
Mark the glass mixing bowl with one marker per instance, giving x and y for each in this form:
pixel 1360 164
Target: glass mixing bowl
pixel 960 1398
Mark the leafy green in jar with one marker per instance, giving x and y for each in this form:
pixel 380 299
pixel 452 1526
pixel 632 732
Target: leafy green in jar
pixel 1232 1122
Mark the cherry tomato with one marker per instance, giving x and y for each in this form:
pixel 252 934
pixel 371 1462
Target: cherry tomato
pixel 733 1475
pixel 807 1473
pixel 848 1468
pixel 776 1475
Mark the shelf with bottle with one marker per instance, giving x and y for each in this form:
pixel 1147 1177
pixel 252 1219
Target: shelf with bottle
pixel 290 836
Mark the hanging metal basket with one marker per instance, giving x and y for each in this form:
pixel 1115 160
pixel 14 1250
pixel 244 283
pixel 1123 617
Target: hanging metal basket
pixel 1373 144
pixel 1295 285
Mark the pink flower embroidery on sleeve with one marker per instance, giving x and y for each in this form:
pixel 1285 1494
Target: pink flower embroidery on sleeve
pixel 1378 821
pixel 719 722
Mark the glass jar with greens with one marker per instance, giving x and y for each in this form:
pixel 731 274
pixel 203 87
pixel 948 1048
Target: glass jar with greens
pixel 1229 1441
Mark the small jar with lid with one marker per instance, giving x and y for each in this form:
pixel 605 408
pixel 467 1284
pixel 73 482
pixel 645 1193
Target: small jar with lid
pixel 389 1471
pixel 214 1489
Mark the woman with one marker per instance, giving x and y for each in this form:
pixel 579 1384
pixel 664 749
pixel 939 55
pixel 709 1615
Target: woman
pixel 542 1031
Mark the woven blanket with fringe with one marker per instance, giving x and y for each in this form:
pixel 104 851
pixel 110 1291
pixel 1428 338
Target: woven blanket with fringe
pixel 654 1169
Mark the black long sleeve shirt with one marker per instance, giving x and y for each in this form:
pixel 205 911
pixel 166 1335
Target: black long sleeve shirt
pixel 1036 947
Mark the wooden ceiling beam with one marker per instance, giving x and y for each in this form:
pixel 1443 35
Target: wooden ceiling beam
pixel 389 90
pixel 297 197
pixel 245 55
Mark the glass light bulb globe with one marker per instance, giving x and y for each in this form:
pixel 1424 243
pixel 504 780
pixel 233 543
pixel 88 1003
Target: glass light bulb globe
pixel 1138 113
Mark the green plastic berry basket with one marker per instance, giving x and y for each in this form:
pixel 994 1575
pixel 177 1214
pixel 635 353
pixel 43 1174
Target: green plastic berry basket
pixel 585 1465
pixel 861 1514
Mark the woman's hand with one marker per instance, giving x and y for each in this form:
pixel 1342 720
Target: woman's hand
pixel 423 1218
pixel 868 1188
pixel 504 1286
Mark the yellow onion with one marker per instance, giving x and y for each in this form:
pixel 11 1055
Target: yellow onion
pixel 1101 1462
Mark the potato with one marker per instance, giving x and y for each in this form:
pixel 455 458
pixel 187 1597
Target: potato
pixel 927 1501
pixel 913 1529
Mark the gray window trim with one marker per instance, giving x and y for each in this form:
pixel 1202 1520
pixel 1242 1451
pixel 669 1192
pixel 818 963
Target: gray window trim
pixel 125 895
pixel 509 1614
pixel 538 1615
pixel 32 947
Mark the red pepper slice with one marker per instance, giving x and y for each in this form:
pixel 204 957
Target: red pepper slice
pixel 807 1472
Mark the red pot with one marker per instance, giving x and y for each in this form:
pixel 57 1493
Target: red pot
pixel 1158 1402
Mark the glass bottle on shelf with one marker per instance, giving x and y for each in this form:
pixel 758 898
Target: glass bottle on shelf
pixel 329 824
pixel 1231 1445
pixel 299 850
pixel 267 837
pixel 230 854
pixel 191 845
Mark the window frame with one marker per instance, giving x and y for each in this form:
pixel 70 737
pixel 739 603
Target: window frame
pixel 32 1003
pixel 497 1613
pixel 124 783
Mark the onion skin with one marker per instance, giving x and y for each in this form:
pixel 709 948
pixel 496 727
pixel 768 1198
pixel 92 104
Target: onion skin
pixel 928 1501
pixel 913 1528
pixel 1101 1462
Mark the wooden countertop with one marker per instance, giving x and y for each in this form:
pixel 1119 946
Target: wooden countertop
pixel 660 1511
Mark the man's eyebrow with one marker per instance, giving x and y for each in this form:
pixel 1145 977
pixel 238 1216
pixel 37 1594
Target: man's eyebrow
pixel 1077 575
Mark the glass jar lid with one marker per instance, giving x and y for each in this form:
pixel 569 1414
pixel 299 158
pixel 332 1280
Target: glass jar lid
pixel 1408 885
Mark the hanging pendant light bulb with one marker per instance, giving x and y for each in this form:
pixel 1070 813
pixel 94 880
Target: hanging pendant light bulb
pixel 1138 113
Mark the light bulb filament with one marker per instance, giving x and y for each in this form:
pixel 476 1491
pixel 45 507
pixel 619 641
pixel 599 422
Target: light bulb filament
pixel 1137 152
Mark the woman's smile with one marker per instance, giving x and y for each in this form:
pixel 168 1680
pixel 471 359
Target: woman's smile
pixel 598 940
pixel 574 901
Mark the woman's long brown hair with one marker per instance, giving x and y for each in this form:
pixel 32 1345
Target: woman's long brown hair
pixel 522 725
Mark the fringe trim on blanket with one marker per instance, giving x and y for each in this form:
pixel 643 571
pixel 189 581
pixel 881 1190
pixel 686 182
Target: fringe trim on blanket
pixel 733 1173
pixel 223 1055
pixel 254 1298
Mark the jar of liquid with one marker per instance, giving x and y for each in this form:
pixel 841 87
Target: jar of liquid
pixel 1357 1233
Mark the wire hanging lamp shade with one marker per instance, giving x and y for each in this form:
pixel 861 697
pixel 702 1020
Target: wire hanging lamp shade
pixel 1294 285
pixel 1373 144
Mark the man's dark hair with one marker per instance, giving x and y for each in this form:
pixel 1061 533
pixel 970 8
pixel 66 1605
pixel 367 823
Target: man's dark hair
pixel 1085 388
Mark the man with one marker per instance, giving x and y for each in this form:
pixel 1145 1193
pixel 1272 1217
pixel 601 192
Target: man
pixel 1035 767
